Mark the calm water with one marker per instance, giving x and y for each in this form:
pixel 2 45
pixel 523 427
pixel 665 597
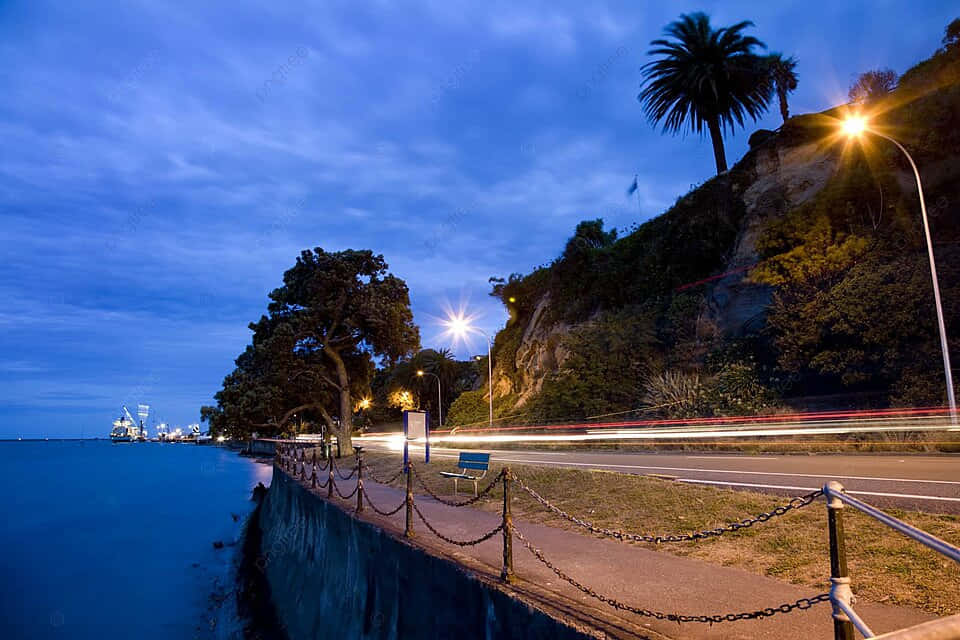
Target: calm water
pixel 103 540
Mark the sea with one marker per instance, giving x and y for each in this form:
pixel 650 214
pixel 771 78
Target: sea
pixel 121 540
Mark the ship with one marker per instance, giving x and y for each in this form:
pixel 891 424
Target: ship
pixel 125 429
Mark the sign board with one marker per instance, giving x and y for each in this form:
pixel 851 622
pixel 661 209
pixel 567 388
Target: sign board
pixel 416 427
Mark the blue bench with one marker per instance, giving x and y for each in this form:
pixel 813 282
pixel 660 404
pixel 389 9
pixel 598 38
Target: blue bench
pixel 472 462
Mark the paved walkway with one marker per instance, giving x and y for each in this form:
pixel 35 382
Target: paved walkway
pixel 633 575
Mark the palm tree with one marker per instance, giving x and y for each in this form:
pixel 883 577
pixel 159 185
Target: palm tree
pixel 784 79
pixel 705 78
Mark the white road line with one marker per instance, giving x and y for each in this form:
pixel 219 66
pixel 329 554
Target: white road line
pixel 600 465
pixel 728 457
pixel 778 486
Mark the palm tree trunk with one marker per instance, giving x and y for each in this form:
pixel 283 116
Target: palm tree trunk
pixel 784 109
pixel 717 137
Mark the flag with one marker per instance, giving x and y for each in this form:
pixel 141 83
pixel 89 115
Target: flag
pixel 633 187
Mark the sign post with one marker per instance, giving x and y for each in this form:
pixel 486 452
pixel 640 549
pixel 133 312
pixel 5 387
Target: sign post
pixel 416 427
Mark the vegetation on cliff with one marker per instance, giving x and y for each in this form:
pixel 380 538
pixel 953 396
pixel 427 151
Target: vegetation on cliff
pixel 851 308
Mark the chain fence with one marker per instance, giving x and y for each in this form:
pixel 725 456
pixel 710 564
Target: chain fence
pixel 795 503
pixel 336 469
pixel 384 512
pixel 801 604
pixel 292 460
pixel 459 543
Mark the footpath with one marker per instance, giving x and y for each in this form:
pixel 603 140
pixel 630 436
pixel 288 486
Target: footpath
pixel 648 582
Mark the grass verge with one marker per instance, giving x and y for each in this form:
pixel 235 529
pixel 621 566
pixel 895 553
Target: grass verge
pixel 885 566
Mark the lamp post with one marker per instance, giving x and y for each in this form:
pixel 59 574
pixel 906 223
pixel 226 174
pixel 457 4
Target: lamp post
pixel 855 126
pixel 422 373
pixel 460 326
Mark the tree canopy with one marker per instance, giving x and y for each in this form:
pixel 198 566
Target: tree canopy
pixel 313 353
pixel 705 78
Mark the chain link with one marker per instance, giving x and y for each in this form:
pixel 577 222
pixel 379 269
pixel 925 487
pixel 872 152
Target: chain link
pixel 450 503
pixel 459 543
pixel 373 476
pixel 366 496
pixel 348 496
pixel 787 607
pixel 336 469
pixel 795 503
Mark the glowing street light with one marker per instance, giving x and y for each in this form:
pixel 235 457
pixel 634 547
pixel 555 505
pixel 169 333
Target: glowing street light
pixel 422 373
pixel 459 325
pixel 855 126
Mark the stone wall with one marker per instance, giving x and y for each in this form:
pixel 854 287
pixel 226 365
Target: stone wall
pixel 331 575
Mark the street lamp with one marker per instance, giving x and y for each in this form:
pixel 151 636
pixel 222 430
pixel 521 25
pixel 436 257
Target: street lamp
pixel 460 326
pixel 422 373
pixel 855 126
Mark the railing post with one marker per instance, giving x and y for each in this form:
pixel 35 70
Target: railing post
pixel 359 478
pixel 330 478
pixel 506 574
pixel 409 530
pixel 839 580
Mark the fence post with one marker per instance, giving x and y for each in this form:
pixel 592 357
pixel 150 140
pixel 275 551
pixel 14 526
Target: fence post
pixel 506 574
pixel 409 530
pixel 359 478
pixel 839 580
pixel 330 477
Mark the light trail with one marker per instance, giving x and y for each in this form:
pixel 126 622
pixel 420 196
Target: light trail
pixel 603 465
pixel 859 415
pixel 687 431
pixel 905 496
pixel 652 434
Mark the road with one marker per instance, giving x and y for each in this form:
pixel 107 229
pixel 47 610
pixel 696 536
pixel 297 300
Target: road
pixel 915 482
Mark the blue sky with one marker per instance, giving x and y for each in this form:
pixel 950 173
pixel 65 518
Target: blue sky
pixel 162 163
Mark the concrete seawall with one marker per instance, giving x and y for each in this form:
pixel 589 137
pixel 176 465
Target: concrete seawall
pixel 331 575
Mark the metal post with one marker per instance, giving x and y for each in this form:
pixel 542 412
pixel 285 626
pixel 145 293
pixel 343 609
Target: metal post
pixel 506 573
pixel 409 530
pixel 941 326
pixel 359 478
pixel 839 580
pixel 330 478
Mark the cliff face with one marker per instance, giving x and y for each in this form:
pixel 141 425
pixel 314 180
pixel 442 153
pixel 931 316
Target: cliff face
pixel 773 179
pixel 781 179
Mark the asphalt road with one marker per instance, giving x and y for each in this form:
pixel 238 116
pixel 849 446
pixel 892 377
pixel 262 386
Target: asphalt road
pixel 914 482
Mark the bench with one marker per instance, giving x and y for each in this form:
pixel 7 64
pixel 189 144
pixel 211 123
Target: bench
pixel 469 461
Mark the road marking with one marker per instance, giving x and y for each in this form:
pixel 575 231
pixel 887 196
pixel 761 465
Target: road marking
pixel 778 486
pixel 728 457
pixel 600 465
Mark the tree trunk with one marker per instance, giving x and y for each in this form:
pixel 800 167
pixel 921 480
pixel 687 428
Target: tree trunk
pixel 784 109
pixel 345 431
pixel 717 137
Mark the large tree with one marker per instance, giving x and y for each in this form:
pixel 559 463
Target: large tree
pixel 705 78
pixel 312 354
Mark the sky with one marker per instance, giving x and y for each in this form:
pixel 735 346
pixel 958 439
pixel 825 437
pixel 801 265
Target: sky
pixel 163 163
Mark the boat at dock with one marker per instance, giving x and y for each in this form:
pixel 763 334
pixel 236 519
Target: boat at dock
pixel 126 429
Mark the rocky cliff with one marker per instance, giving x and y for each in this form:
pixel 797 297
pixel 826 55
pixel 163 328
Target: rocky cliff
pixel 832 229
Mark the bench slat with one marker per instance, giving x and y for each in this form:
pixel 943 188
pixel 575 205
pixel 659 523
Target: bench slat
pixel 482 466
pixel 469 456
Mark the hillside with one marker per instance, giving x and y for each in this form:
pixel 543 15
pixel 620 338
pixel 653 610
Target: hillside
pixel 799 278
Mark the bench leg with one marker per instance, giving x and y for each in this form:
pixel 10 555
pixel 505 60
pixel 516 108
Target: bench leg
pixel 474 488
pixel 455 486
